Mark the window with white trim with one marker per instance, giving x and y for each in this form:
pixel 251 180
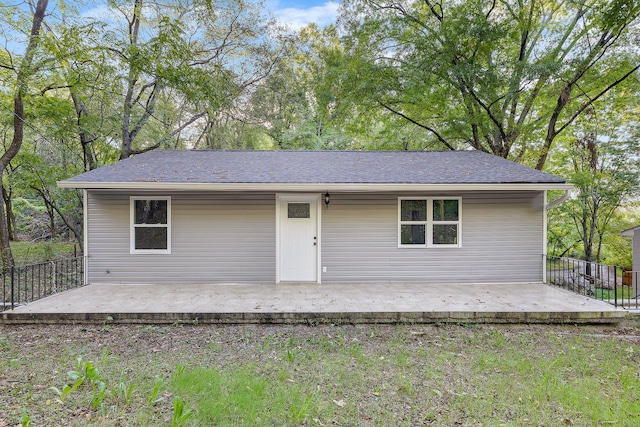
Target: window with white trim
pixel 425 222
pixel 151 225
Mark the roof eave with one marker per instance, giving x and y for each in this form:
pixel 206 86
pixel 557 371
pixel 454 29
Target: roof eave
pixel 630 232
pixel 313 187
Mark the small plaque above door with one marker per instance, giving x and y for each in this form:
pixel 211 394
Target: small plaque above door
pixel 299 210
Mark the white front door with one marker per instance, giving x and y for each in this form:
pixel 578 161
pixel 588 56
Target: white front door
pixel 298 239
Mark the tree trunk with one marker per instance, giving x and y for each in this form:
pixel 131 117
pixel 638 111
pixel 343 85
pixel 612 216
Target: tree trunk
pixel 126 147
pixel 85 141
pixel 11 218
pixel 24 72
pixel 52 219
pixel 49 202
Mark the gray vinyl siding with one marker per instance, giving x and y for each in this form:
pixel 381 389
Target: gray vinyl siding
pixel 636 250
pixel 501 242
pixel 214 239
pixel 231 238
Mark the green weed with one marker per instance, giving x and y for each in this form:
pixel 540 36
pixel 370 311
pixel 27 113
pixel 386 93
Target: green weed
pixel 180 414
pixel 25 421
pixel 154 397
pixel 124 392
pixel 267 342
pixel 105 325
pixel 85 372
pixel 67 389
pixel 290 356
pixel 99 388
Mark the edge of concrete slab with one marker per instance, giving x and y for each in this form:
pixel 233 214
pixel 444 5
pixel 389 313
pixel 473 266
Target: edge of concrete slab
pixel 598 317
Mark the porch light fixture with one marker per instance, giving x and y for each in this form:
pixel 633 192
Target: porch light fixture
pixel 327 198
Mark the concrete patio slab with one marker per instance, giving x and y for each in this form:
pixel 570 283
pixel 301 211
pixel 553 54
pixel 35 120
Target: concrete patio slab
pixel 297 303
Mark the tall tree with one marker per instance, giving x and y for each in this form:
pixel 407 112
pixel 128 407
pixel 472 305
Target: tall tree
pixel 24 68
pixel 81 80
pixel 606 175
pixel 299 104
pixel 502 76
pixel 151 65
pixel 182 64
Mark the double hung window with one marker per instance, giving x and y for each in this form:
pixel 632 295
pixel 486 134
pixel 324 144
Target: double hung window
pixel 151 225
pixel 429 222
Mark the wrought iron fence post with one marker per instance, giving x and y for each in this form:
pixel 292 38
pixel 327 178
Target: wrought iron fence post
pixel 12 287
pixel 615 285
pixel 54 276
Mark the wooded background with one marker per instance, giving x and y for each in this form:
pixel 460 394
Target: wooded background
pixel 550 84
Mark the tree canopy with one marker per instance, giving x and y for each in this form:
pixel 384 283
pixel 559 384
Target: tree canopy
pixel 502 76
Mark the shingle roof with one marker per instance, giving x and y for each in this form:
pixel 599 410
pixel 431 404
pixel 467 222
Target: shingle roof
pixel 313 167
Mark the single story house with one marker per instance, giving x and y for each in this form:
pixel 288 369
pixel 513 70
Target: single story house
pixel 265 217
pixel 634 233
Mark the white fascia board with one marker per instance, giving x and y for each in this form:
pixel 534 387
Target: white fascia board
pixel 630 232
pixel 169 186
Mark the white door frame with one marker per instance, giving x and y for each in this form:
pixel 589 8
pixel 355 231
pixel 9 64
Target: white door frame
pixel 299 197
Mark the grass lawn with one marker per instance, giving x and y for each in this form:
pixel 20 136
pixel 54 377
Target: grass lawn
pixel 35 252
pixel 407 375
pixel 624 292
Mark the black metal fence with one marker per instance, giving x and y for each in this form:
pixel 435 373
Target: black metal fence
pixel 604 282
pixel 27 283
pixel 629 297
